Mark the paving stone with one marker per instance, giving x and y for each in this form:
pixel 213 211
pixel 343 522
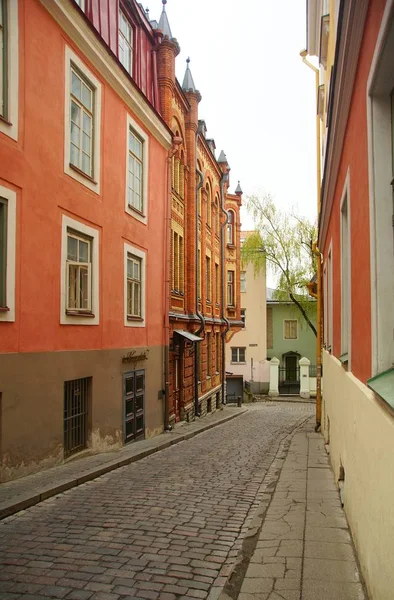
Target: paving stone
pixel 332 570
pixel 331 590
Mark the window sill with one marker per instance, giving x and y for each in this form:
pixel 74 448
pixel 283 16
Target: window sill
pixel 177 293
pixel 136 210
pixel 237 363
pixel 4 309
pixel 230 245
pixel 131 318
pixel 6 121
pixel 383 385
pixel 80 313
pixel 82 173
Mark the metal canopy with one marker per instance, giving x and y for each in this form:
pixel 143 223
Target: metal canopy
pixel 187 335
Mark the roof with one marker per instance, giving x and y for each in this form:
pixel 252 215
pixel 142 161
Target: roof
pixel 188 83
pixel 163 23
pixel 187 335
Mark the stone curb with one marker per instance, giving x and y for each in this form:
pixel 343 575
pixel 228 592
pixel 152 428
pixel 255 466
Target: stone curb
pixel 23 502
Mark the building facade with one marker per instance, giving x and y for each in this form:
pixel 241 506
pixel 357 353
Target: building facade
pixel 246 352
pixel 83 231
pixel 204 267
pixel 354 41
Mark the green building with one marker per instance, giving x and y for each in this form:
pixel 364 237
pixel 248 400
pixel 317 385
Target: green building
pixel 289 338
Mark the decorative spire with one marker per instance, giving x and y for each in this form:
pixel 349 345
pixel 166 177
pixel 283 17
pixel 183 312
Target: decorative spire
pixel 222 157
pixel 163 23
pixel 238 190
pixel 188 83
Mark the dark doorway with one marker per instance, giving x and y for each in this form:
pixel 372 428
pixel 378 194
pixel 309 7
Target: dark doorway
pixel 134 405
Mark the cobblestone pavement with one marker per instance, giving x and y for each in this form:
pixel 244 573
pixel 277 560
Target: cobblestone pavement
pixel 168 526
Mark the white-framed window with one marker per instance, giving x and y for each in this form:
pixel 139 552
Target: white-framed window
pixel 380 114
pixel 9 69
pixel 243 281
pixel 136 171
pixel 79 288
pixel 7 254
pixel 125 43
pixel 230 227
pixel 290 329
pixel 230 288
pixel 81 4
pixel 82 123
pixel 238 355
pixel 134 286
pixel 243 315
pixel 345 276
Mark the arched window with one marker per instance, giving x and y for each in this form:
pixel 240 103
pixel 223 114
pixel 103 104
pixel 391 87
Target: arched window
pixel 217 216
pixel 209 205
pixel 230 228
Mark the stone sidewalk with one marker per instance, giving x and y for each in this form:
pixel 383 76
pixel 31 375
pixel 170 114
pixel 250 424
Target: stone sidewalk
pixel 302 547
pixel 25 492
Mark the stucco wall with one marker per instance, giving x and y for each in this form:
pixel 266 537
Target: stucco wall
pixel 361 433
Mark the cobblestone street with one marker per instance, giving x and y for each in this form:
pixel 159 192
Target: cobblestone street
pixel 167 526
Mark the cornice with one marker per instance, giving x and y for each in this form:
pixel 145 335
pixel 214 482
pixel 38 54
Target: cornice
pixel 93 48
pixel 350 33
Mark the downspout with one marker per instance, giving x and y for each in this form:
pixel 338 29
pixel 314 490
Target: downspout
pixel 223 179
pixel 198 277
pixel 318 255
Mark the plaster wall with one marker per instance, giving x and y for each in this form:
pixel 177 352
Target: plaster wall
pixel 304 345
pixel 352 418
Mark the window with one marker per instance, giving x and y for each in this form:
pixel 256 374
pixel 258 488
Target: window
pixel 243 281
pixel 217 216
pixel 3 59
pixel 345 276
pixel 80 274
pixel 209 205
pixel 208 277
pixel 177 263
pixel 76 415
pixel 238 355
pixel 209 355
pixel 81 3
pixel 217 352
pixel 137 171
pixel 290 329
pixel 243 315
pixel 230 288
pixel 133 286
pixel 217 282
pixel 230 228
pixel 9 48
pixel 82 123
pixel 7 253
pixel 125 43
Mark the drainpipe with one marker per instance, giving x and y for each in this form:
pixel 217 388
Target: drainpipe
pixel 318 255
pixel 198 277
pixel 223 179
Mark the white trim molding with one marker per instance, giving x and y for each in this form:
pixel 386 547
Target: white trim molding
pixel 143 218
pixel 129 249
pixel 380 158
pixel 10 196
pixel 10 126
pixel 92 183
pixel 77 226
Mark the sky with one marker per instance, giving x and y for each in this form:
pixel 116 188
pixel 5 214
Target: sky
pixel 258 97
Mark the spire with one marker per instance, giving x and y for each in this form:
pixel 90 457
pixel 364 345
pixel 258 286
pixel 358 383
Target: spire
pixel 238 190
pixel 222 157
pixel 188 83
pixel 163 23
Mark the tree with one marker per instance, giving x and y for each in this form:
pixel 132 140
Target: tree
pixel 285 241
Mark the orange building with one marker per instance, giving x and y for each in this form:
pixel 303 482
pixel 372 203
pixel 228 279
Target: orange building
pixel 204 248
pixel 83 221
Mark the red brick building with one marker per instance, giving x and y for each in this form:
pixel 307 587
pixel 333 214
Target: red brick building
pixel 204 306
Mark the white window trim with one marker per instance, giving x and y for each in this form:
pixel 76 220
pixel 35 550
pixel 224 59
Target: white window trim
pixel 237 362
pixel 72 58
pixel 380 84
pixel 10 128
pixel 10 196
pixel 68 223
pixel 128 249
pixel 284 330
pixel 143 218
pixel 348 308
pixel 329 308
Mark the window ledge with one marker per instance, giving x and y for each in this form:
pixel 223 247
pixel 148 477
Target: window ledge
pixel 6 121
pixel 136 210
pixel 237 363
pixel 80 313
pixel 132 318
pixel 230 245
pixel 383 385
pixel 82 173
pixel 177 293
pixel 4 309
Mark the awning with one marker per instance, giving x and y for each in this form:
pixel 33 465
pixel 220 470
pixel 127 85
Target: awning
pixel 188 336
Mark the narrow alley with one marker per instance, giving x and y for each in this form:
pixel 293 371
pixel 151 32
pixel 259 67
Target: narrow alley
pixel 170 525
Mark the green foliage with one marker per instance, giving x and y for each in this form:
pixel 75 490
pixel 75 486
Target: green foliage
pixel 285 241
